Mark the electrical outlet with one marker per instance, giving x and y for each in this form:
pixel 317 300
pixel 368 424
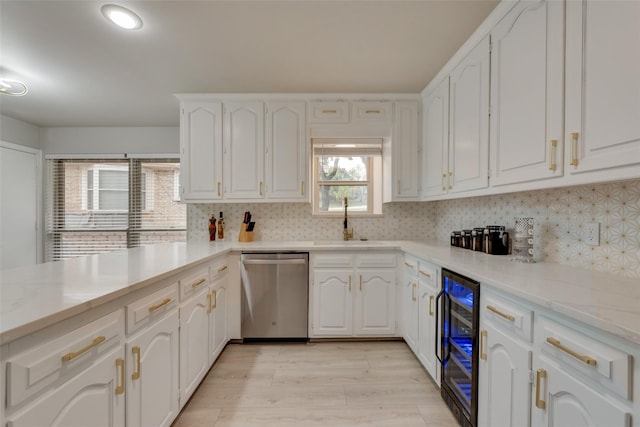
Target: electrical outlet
pixel 592 233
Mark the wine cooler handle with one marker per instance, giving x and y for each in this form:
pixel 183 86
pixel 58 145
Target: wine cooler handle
pixel 438 334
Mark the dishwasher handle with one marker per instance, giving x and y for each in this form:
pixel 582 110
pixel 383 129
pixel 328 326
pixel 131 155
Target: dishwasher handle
pixel 274 261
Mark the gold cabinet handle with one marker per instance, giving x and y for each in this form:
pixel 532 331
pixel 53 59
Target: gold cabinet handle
pixel 329 111
pixel 209 303
pixel 574 148
pixel 160 304
pixel 223 268
pixel 198 283
pixel 302 188
pixel 214 298
pixel 424 273
pixel 450 180
pixel 483 343
pixel 349 283
pixel 552 155
pixel 361 283
pixel 540 373
pixel 261 188
pixel 136 354
pixel 431 297
pixel 219 193
pixel 120 366
pixel 72 355
pixel 372 112
pixel 408 264
pixel 509 317
pixel 581 357
pixel 444 185
pixel 413 291
pixel 398 186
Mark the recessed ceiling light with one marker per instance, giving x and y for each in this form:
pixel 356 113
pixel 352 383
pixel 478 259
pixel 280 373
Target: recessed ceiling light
pixel 121 16
pixel 12 87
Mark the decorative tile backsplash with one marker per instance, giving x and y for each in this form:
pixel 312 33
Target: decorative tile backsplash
pixel 560 215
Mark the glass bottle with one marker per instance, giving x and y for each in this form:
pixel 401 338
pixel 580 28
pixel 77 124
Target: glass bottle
pixel 221 227
pixel 212 228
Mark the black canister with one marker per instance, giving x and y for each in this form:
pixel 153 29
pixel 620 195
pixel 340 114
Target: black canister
pixel 465 239
pixel 455 239
pixel 477 239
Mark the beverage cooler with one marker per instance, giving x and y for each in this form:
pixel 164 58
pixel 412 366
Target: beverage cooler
pixel 458 306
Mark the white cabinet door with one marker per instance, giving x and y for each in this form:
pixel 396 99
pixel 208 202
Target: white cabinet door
pixel 375 302
pixel 469 121
pixel 526 93
pixel 194 344
pixel 243 135
pixel 94 397
pixel 427 330
pixel 332 303
pixel 562 400
pixel 602 85
pixel 286 154
pixel 406 158
pixel 201 150
pixel 152 374
pixel 435 148
pixel 217 318
pixel 504 395
pixel 410 333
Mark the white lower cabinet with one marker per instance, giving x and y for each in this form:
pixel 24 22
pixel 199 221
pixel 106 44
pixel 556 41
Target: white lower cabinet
pixel 353 295
pixel 218 296
pixel 411 313
pixel 152 374
pixel 194 345
pixel 427 294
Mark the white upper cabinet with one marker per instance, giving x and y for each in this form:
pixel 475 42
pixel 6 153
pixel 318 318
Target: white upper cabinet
pixel 243 134
pixel 286 154
pixel 435 148
pixel 526 93
pixel 201 150
pixel 405 175
pixel 602 85
pixel 469 121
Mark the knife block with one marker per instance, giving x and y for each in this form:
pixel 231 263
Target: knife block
pixel 245 236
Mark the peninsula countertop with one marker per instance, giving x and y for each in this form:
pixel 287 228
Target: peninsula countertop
pixel 37 296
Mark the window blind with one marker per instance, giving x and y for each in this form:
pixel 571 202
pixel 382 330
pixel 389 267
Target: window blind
pixel 100 205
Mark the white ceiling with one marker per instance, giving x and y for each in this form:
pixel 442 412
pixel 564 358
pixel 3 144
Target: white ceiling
pixel 83 71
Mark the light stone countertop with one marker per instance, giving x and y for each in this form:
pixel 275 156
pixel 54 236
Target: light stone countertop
pixel 35 297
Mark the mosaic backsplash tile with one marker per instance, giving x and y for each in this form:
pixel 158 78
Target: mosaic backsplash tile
pixel 559 214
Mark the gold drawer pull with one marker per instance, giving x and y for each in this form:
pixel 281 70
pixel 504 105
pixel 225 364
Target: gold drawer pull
pixel 198 283
pixel 552 155
pixel 509 317
pixel 408 265
pixel 483 343
pixel 581 357
pixel 223 268
pixel 540 373
pixel 424 273
pixel 431 297
pixel 70 356
pixel 372 111
pixel 160 304
pixel 574 149
pixel 329 111
pixel 136 354
pixel 120 366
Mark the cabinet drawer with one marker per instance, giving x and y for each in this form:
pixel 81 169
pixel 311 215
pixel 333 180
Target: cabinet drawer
pixel 193 282
pixel 219 268
pixel 58 360
pixel 377 260
pixel 151 308
pixel 332 260
pixel 329 112
pixel 586 356
pixel 509 316
pixel 372 112
pixel 428 274
pixel 410 266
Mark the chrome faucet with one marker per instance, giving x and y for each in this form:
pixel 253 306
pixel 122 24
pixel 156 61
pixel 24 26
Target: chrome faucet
pixel 346 233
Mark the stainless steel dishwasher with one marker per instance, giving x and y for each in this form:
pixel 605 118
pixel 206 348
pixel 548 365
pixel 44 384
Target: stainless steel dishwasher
pixel 275 296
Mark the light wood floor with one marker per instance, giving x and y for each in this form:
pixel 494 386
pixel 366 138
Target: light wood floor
pixel 317 384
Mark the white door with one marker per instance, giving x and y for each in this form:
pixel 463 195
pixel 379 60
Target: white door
pixel 375 303
pixel 194 344
pixel 411 314
pixel 332 303
pixel 469 121
pixel 406 149
pixel 285 152
pixel 218 319
pixel 94 397
pixel 427 330
pixel 526 93
pixel 201 150
pixel 243 150
pixel 20 178
pixel 436 141
pixel 602 85
pixel 152 374
pixel 504 396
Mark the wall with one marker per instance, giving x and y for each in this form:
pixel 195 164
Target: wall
pixel 107 140
pixel 559 216
pixel 19 132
